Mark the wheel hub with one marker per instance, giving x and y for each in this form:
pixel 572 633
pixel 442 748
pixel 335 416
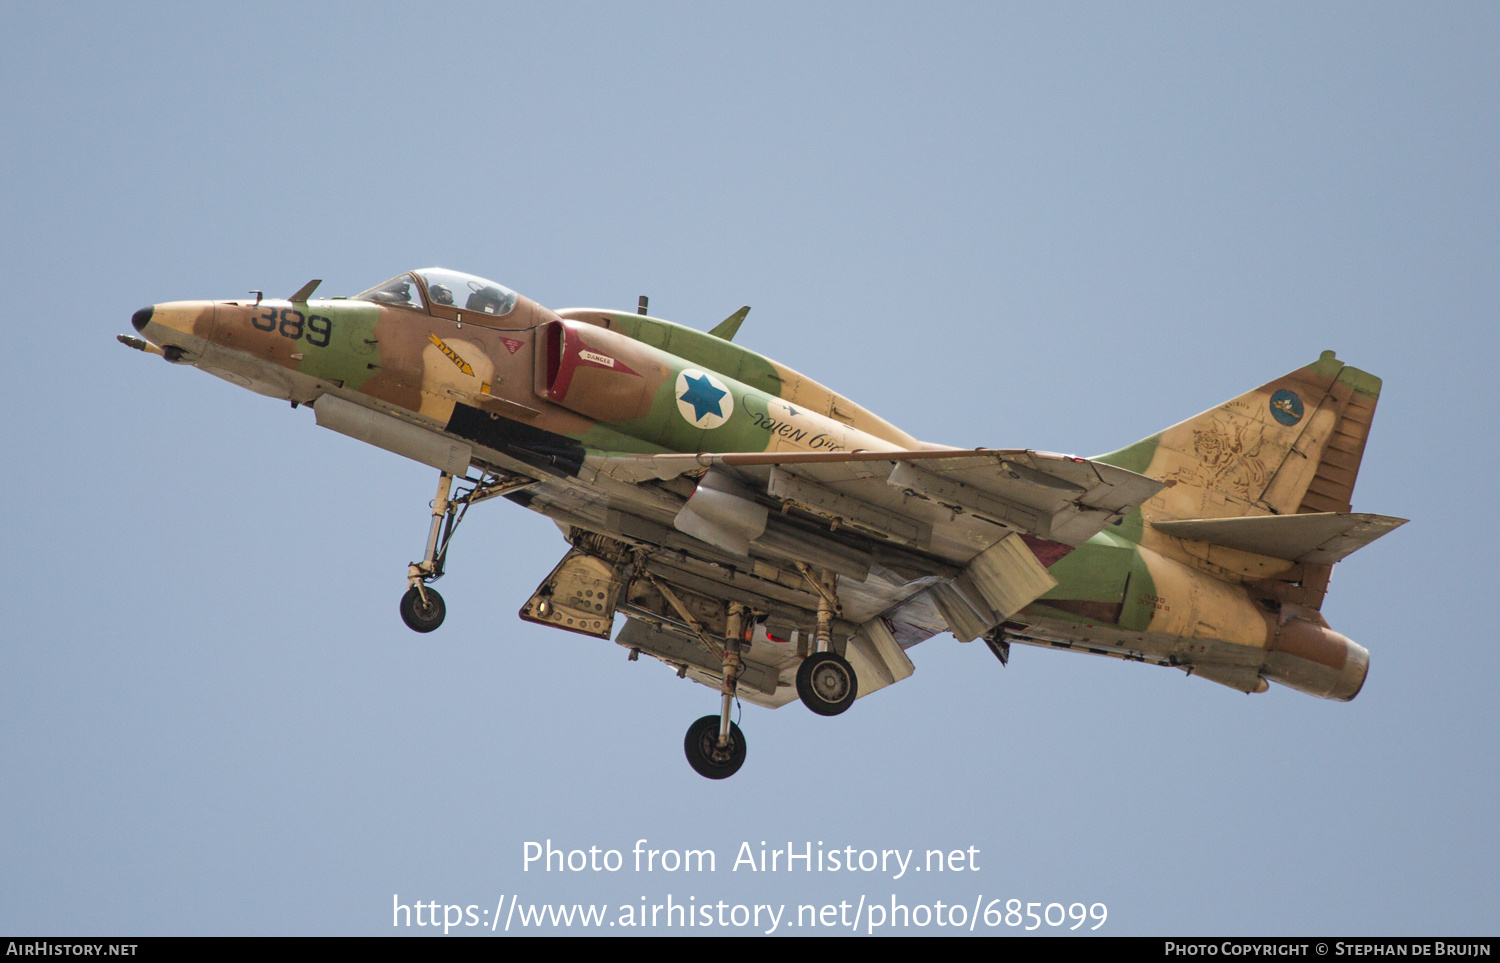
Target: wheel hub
pixel 715 753
pixel 706 756
pixel 830 682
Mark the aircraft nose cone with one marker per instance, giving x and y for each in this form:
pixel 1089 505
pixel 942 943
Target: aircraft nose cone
pixel 141 318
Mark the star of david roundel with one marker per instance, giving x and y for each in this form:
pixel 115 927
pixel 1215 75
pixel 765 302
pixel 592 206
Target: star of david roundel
pixel 702 399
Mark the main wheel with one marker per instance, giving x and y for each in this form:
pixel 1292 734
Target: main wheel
pixel 826 683
pixel 420 616
pixel 705 754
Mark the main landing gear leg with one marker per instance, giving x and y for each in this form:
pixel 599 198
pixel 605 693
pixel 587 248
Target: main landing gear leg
pixel 826 682
pixel 714 745
pixel 422 607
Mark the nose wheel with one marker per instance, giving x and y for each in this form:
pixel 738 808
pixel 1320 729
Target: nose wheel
pixel 422 608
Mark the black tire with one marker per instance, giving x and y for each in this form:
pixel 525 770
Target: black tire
pixel 826 683
pixel 704 753
pixel 419 617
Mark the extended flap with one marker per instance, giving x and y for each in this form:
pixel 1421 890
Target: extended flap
pixel 1009 576
pixel 877 657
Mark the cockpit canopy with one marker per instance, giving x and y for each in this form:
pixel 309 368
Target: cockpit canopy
pixel 443 287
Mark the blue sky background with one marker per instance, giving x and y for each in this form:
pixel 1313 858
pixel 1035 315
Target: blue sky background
pixel 1061 227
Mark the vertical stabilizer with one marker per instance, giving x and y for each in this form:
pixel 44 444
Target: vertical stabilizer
pixel 1291 446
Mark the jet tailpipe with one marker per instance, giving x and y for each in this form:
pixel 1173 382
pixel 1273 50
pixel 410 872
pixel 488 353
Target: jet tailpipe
pixel 1308 656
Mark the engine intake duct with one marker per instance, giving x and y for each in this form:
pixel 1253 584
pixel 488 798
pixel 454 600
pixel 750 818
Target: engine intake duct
pixel 597 372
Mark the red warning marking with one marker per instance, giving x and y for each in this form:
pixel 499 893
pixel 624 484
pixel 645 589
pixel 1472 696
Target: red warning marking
pixel 511 344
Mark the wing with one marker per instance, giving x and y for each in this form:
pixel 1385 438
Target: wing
pixel 976 528
pixel 954 503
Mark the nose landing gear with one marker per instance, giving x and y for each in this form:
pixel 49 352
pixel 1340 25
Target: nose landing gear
pixel 422 608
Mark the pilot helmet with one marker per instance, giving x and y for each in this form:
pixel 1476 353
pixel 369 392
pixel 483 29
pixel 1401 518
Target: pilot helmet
pixel 440 294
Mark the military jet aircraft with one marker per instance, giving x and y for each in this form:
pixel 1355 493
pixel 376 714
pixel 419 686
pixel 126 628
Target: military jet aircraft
pixel 773 540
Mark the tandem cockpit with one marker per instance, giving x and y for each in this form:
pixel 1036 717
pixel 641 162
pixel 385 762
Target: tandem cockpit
pixel 442 292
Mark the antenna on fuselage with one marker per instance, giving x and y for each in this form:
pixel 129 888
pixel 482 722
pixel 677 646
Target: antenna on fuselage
pixel 640 307
pixel 305 292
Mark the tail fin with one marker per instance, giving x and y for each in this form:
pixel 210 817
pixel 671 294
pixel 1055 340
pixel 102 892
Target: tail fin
pixel 1291 446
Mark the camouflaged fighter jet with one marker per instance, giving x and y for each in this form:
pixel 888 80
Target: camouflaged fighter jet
pixel 771 539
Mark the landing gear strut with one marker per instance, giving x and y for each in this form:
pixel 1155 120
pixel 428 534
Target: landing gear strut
pixel 714 745
pixel 422 608
pixel 826 682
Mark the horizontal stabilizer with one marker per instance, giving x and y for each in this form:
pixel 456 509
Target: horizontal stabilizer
pixel 1321 538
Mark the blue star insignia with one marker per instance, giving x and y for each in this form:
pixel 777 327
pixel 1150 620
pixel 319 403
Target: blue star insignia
pixel 703 396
